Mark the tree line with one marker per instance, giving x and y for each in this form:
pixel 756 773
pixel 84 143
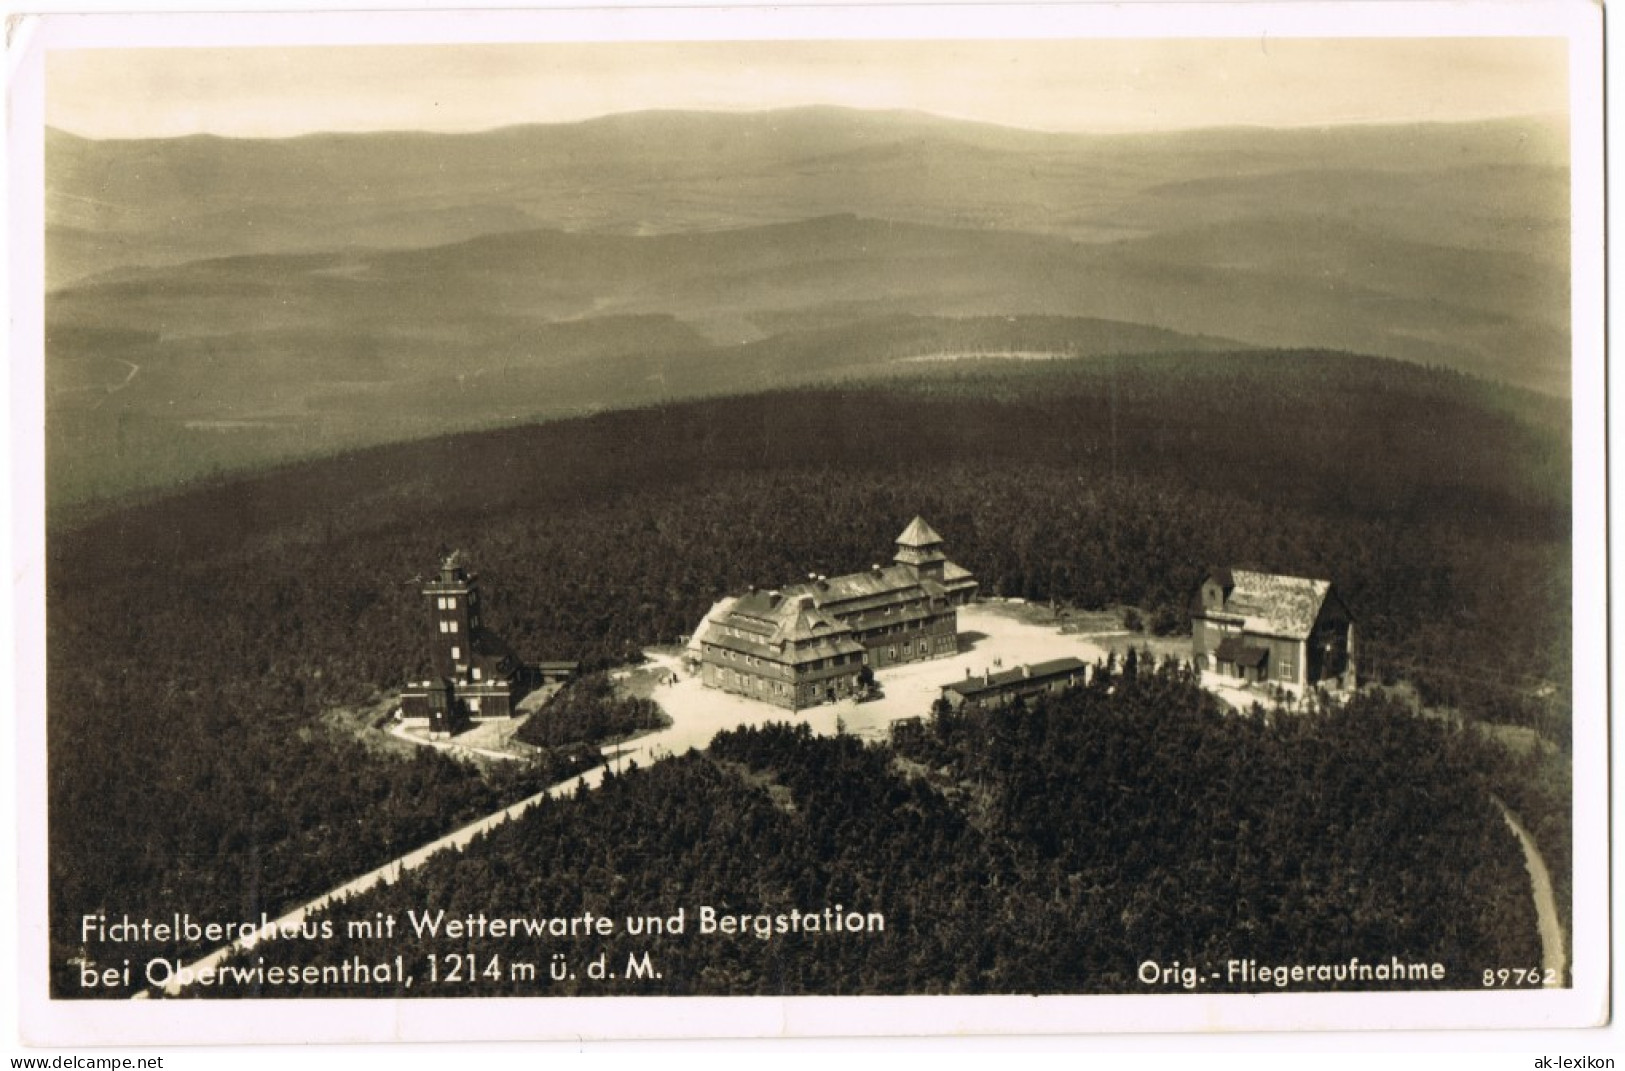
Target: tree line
pixel 588 710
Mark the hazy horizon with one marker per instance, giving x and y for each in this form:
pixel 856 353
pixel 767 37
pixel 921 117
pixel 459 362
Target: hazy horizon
pixel 1075 86
pixel 1556 116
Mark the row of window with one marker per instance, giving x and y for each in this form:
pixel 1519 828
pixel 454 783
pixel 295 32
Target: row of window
pixel 943 643
pixel 835 660
pixel 904 626
pixel 743 680
pixel 820 663
pixel 748 659
pixel 448 626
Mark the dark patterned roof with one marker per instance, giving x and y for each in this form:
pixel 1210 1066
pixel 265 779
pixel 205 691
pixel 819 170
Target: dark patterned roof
pixel 1272 605
pixel 857 591
pixel 778 627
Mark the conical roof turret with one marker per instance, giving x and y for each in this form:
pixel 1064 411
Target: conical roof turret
pixel 921 548
pixel 919 534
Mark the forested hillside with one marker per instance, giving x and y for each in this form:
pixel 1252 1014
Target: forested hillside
pixel 195 642
pixel 214 307
pixel 129 412
pixel 1050 849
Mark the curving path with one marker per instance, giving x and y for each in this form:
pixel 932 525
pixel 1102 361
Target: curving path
pixel 399 732
pixel 1540 879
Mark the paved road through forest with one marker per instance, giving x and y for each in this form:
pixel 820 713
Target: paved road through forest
pixel 1552 957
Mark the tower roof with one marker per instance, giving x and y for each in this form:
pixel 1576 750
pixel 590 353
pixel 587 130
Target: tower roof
pixel 453 577
pixel 918 534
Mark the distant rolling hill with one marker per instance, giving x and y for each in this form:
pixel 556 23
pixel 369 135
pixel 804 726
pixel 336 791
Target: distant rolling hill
pixel 218 303
pixel 166 413
pixel 117 203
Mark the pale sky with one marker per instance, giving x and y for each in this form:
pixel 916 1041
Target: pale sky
pixel 1090 84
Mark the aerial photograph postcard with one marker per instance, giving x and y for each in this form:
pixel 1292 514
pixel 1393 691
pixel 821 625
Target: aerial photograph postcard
pixel 602 509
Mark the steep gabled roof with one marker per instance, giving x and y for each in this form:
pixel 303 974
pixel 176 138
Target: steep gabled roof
pixel 891 584
pixel 766 621
pixel 809 624
pixel 1273 605
pixel 718 611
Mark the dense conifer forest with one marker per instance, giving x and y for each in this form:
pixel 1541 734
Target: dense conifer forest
pixel 1053 849
pixel 197 642
pixel 587 710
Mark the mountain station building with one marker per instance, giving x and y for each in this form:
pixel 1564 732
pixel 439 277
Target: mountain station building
pixel 1264 628
pixel 807 643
